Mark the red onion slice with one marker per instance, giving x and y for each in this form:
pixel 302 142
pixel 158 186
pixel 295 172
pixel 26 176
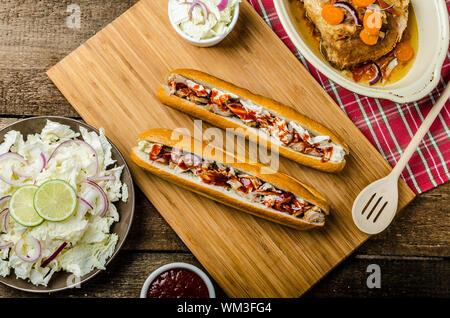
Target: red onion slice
pixel 4 244
pixel 80 142
pixel 15 156
pixel 347 6
pixel 5 212
pixel 44 161
pixel 205 9
pixel 202 6
pixel 377 76
pixel 374 8
pixel 22 175
pixel 6 222
pixel 102 178
pixel 103 195
pixel 85 202
pixel 37 249
pixel 4 199
pixel 389 68
pixel 11 182
pixel 191 9
pixel 222 5
pixel 53 256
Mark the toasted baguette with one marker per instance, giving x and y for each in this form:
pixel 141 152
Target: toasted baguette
pixel 279 180
pixel 192 109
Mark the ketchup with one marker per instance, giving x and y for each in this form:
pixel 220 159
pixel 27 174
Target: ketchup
pixel 240 111
pixel 178 283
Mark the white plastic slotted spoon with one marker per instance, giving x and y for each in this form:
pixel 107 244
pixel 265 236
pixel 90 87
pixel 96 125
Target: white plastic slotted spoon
pixel 376 205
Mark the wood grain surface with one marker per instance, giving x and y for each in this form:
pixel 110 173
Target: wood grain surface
pixel 412 253
pixel 111 81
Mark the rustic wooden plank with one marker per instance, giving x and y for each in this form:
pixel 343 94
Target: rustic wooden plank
pixel 29 92
pixel 150 232
pixel 111 81
pixel 422 230
pixel 399 278
pixel 124 277
pixel 34 37
pixel 34 34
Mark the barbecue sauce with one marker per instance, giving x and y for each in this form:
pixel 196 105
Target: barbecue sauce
pixel 178 283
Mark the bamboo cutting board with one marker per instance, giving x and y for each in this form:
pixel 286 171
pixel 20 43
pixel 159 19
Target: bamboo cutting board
pixel 111 81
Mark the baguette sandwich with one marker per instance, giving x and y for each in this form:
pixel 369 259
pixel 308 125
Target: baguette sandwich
pixel 218 175
pixel 222 104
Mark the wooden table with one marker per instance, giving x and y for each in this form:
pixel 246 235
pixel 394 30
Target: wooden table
pixel 413 253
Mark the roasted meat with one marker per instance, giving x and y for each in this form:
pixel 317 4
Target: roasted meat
pixel 341 44
pixel 238 182
pixel 290 134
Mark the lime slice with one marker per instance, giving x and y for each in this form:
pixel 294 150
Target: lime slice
pixel 55 200
pixel 21 206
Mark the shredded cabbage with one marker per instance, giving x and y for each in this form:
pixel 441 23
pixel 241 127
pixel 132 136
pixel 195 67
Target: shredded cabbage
pixel 90 242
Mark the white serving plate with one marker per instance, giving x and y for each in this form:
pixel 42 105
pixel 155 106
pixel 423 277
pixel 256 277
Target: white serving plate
pixel 424 74
pixel 64 280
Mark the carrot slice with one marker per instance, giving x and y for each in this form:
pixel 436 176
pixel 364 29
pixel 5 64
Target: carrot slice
pixel 404 52
pixel 332 14
pixel 368 38
pixel 373 22
pixel 363 3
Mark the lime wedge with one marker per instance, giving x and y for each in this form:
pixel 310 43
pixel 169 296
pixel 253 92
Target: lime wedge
pixel 21 206
pixel 55 200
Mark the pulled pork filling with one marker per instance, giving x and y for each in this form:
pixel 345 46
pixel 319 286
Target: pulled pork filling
pixel 250 187
pixel 291 134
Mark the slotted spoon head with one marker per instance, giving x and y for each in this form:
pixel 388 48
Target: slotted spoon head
pixel 376 205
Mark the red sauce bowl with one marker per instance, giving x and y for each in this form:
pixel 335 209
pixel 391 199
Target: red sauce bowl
pixel 178 280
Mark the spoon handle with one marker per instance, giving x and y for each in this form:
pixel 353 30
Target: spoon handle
pixel 423 129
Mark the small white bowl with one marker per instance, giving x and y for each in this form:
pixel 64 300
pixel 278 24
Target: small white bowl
pixel 205 42
pixel 425 72
pixel 198 271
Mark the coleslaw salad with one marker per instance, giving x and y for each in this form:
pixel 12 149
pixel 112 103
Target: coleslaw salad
pixel 56 160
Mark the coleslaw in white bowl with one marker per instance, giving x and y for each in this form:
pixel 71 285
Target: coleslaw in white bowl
pixel 83 241
pixel 203 23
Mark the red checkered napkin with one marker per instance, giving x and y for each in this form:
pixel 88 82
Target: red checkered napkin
pixel 389 126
